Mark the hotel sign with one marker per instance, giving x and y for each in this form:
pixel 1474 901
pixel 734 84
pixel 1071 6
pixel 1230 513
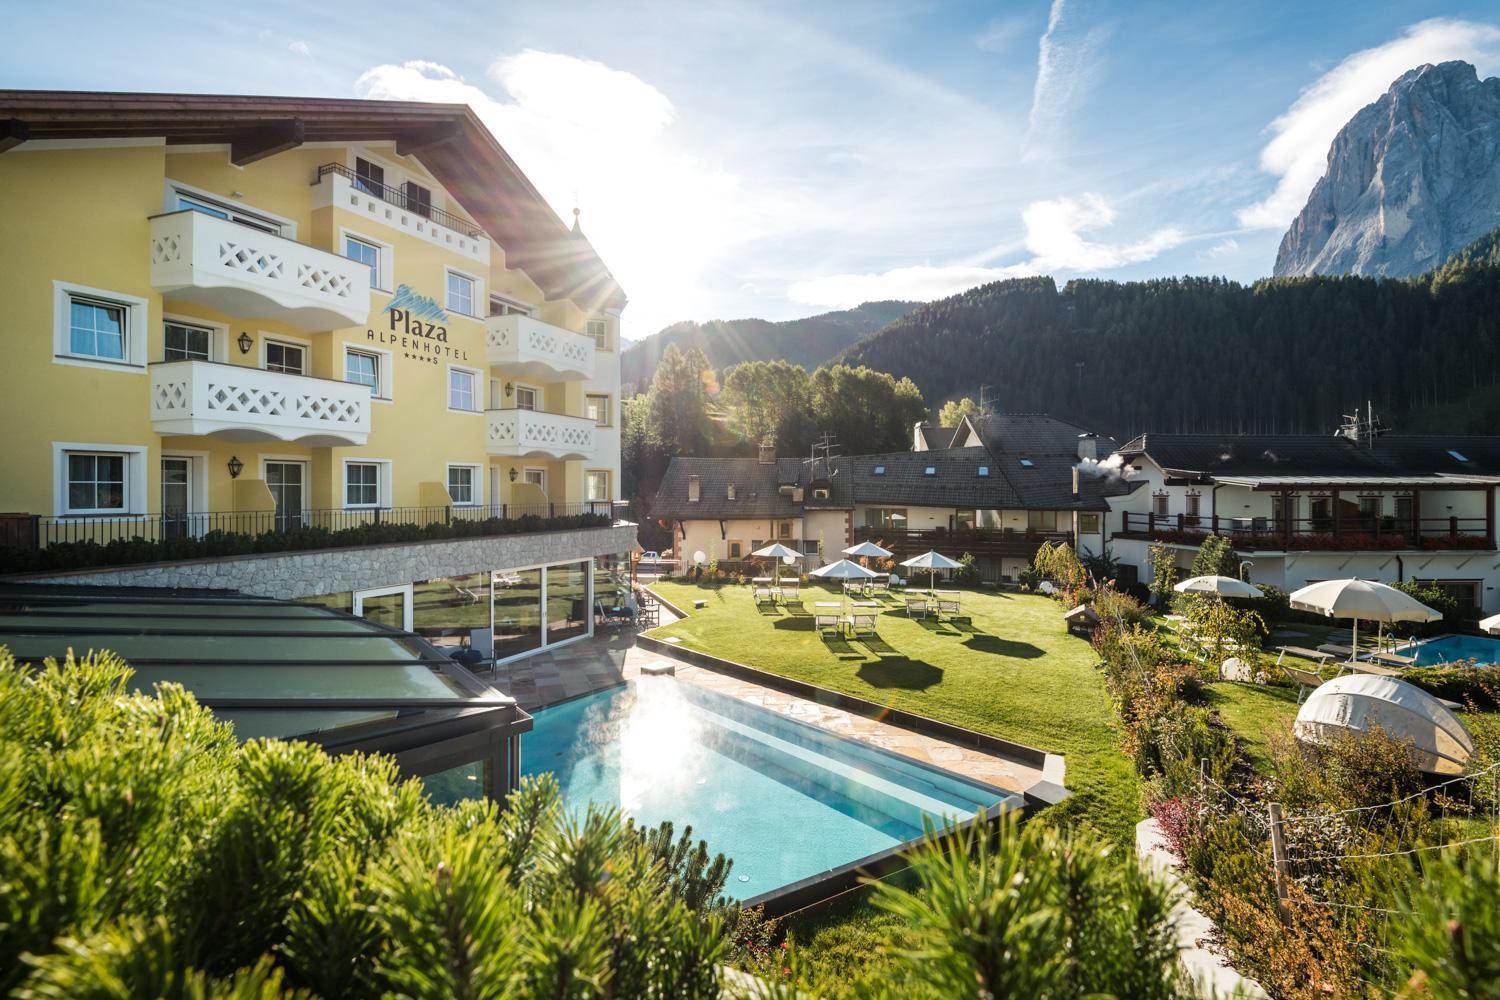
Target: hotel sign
pixel 415 327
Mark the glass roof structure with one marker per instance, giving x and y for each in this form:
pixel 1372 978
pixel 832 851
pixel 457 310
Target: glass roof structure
pixel 277 668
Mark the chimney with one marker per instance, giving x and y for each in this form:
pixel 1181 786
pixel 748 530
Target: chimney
pixel 918 443
pixel 768 452
pixel 1075 480
pixel 1088 449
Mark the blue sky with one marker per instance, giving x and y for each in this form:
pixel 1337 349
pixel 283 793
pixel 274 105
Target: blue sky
pixel 778 160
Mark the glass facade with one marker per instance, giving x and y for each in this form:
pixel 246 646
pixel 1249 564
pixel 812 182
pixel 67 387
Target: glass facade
pixel 567 601
pixel 517 599
pixel 466 781
pixel 447 611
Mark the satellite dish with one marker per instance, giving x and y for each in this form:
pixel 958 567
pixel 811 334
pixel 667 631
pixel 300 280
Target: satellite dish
pixel 788 560
pixel 699 557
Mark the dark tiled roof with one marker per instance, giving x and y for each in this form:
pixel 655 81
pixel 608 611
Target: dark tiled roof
pixel 1037 454
pixel 757 488
pixel 1223 455
pixel 955 481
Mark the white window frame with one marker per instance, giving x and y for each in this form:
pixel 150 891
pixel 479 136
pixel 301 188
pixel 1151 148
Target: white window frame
pixel 527 470
pixel 608 475
pixel 608 339
pixel 384 370
pixel 476 484
pixel 134 327
pixel 476 389
pixel 476 296
pixel 218 341
pixel 230 205
pixel 285 340
pixel 406 590
pixel 382 483
pixel 607 413
pixel 515 306
pixel 536 394
pixel 385 262
pixel 197 484
pixel 136 489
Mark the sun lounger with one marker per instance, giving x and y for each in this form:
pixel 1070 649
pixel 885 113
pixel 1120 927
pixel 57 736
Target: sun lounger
pixel 1316 655
pixel 826 622
pixel 862 622
pixel 948 606
pixel 1366 667
pixel 1336 650
pixel 763 596
pixel 791 595
pixel 916 606
pixel 1305 680
pixel 1395 659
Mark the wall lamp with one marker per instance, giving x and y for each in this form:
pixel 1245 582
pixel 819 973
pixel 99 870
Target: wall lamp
pixel 513 473
pixel 245 342
pixel 235 467
pixel 510 390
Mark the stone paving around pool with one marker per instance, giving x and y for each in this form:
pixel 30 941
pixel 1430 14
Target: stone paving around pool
pixel 605 661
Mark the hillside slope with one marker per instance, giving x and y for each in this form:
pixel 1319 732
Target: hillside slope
pixel 1207 354
pixel 1410 179
pixel 807 342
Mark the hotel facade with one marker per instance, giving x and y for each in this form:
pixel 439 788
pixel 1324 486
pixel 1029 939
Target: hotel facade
pixel 277 317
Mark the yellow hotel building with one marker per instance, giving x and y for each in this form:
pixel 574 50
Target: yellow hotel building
pixel 253 315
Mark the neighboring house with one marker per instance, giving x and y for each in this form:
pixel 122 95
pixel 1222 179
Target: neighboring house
pixel 1304 508
pixel 996 487
pixel 256 314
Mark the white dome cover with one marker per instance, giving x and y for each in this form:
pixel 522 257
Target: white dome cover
pixel 1406 712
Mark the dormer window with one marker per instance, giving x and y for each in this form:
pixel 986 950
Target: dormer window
pixel 820 494
pixel 729 492
pixel 693 486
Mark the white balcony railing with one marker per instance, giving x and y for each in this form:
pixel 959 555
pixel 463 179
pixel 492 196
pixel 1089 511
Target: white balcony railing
pixel 238 403
pixel 243 271
pixel 533 433
pixel 525 346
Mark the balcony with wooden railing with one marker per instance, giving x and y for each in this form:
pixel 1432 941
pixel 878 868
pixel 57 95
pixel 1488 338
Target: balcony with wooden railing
pixel 994 543
pixel 1346 532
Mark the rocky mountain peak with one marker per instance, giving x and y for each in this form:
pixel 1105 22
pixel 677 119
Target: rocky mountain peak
pixel 1411 178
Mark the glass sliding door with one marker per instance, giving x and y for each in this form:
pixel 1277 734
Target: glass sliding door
pixel 517 601
pixel 176 475
pixel 285 480
pixel 567 601
pixel 388 606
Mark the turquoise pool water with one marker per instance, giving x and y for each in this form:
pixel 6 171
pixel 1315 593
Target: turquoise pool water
pixel 783 799
pixel 1452 648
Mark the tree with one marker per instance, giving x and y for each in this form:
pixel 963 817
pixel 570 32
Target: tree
pixel 1216 557
pixel 867 411
pixel 766 399
pixel 954 411
pixel 678 407
pixel 1163 561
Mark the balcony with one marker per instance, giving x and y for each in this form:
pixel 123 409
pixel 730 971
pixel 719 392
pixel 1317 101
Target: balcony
pixel 525 346
pixel 237 403
pixel 994 543
pixel 242 271
pixel 535 434
pixel 1346 533
pixel 337 186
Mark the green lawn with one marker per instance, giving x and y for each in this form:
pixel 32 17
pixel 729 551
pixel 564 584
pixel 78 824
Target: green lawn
pixel 1014 672
pixel 1254 711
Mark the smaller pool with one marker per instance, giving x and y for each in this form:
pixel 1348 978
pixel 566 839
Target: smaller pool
pixel 1454 648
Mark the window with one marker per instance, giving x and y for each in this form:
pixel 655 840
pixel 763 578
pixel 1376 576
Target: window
pixel 220 210
pixel 783 529
pixel 182 342
pixel 290 359
pixel 361 484
pixel 886 518
pixel 1041 520
pixel 931 470
pixel 1405 512
pixel 369 177
pixel 96 483
pixel 729 492
pixel 461 389
pixel 1159 504
pixel 599 330
pixel 1369 508
pixel 96 329
pixel 597 409
pixel 693 487
pixel 525 397
pixel 363 368
pixel 596 485
pixel 1088 523
pixel 537 478
pixel 1465 592
pixel 1194 507
pixel 1026 463
pixel 418 199
pixel 285 481
pixel 1460 456
pixel 734 550
pixel 879 470
pixel 367 254
pixel 461 484
pixel 505 307
pixel 984 471
pixel 461 293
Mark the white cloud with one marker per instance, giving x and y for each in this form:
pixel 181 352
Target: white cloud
pixel 300 47
pixel 1224 247
pixel 1065 62
pixel 601 138
pixel 1054 236
pixel 1298 150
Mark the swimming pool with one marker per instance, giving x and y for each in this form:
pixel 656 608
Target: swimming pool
pixel 1453 648
pixel 784 800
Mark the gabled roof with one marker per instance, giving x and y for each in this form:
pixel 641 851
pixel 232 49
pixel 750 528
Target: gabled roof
pixel 935 437
pixel 1037 453
pixel 900 477
pixel 449 138
pixel 1328 458
pixel 757 489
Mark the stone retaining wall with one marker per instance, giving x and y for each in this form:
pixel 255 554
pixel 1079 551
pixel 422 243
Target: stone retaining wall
pixel 290 575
